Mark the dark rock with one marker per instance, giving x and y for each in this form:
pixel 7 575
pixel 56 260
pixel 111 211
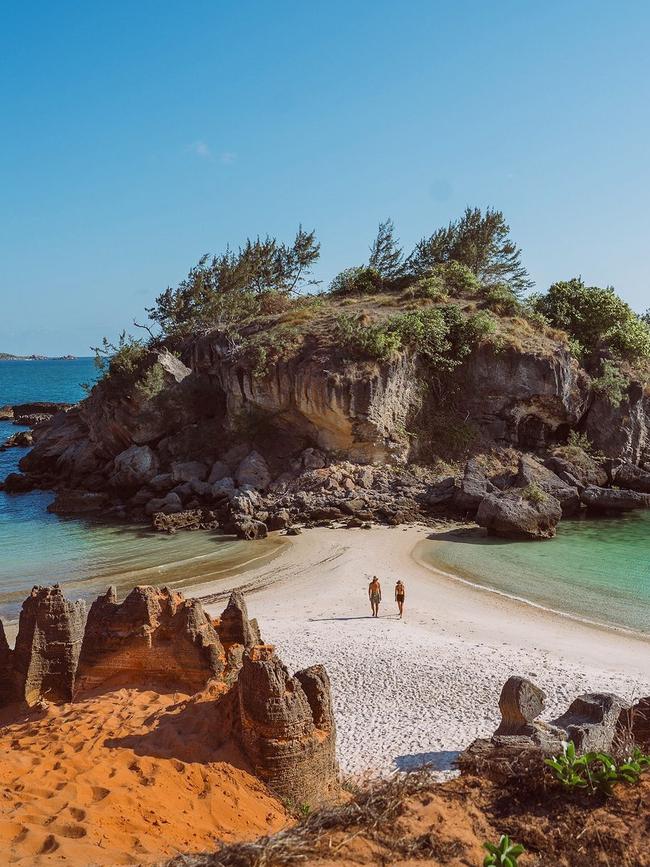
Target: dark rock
pixel 634 725
pixel 470 491
pixel 581 472
pixel 293 531
pixel 532 473
pixel 279 520
pixel 50 632
pixel 632 478
pixel 249 529
pixel 40 408
pixel 325 513
pixel 78 502
pixel 514 517
pixel 609 500
pixel 153 636
pixel 7 684
pixel 17 483
pixel 189 519
pixel 292 753
pixel 316 685
pixel 133 468
pixel 22 439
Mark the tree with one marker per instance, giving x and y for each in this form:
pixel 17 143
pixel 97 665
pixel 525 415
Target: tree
pixel 385 253
pixel 479 241
pixel 228 287
pixel 597 318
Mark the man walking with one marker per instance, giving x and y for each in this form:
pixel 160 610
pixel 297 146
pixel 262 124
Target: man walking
pixel 374 594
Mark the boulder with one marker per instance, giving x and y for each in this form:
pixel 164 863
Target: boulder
pixel 188 471
pixel 50 633
pixel 279 520
pixel 220 470
pixel 249 529
pixel 234 626
pixel 78 502
pixel 154 505
pixel 153 636
pixel 612 500
pixel 513 516
pixel 223 487
pixel 254 471
pixel 313 459
pixel 166 521
pixel 288 737
pixel 133 468
pixel 17 483
pixel 520 703
pixel 580 472
pixel 632 478
pixel 163 482
pixel 591 721
pixel 246 502
pixel 532 473
pixel 469 492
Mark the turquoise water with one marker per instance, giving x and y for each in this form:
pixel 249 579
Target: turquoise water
pixel 596 570
pixel 39 548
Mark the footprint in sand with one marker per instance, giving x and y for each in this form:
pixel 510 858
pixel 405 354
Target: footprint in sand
pixel 51 844
pixel 99 793
pixel 78 814
pixel 72 832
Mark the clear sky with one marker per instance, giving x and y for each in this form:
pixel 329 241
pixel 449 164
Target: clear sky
pixel 135 136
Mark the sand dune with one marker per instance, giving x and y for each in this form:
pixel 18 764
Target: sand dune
pixel 123 778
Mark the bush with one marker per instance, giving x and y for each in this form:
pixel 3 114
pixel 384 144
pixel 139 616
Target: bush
pixel 534 494
pixel 596 772
pixel 430 288
pixel 458 279
pixel 368 340
pixel 357 281
pixel 501 299
pixel 597 318
pixel 612 383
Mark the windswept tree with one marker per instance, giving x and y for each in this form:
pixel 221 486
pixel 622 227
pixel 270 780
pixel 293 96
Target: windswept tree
pixel 385 254
pixel 222 288
pixel 479 241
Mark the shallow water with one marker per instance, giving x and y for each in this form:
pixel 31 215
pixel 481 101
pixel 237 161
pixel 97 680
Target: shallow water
pixel 87 555
pixel 597 570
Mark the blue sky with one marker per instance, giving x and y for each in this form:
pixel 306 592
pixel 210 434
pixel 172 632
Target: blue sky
pixel 136 136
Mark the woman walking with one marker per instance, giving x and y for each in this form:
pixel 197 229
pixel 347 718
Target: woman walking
pixel 400 596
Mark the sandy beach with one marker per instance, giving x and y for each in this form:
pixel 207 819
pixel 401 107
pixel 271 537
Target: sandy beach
pixel 420 689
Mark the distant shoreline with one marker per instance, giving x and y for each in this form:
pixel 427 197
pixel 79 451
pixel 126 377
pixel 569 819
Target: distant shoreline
pixel 6 356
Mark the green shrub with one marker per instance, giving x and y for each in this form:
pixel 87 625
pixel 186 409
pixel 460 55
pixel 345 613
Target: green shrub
pixel 534 494
pixel 361 280
pixel 504 854
pixel 612 382
pixel 458 279
pixel 595 317
pixel 481 325
pixel 374 341
pixel 501 299
pixel 152 383
pixel 430 288
pixel 582 442
pixel 596 772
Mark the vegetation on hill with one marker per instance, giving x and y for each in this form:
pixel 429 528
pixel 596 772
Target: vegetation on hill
pixel 459 286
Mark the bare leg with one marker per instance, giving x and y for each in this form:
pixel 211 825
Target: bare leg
pixel 400 605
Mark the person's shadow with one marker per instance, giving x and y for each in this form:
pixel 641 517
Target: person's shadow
pixel 442 760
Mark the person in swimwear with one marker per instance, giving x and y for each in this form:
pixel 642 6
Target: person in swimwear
pixel 374 594
pixel 400 596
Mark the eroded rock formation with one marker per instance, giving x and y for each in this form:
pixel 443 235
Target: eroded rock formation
pixel 287 733
pixel 50 634
pixel 154 636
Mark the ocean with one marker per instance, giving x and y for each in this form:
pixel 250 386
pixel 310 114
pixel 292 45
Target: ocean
pixel 86 555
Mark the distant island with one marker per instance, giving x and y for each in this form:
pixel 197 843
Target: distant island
pixel 7 356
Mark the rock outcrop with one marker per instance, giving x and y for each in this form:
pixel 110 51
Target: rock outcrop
pixel 531 472
pixel 592 722
pixel 612 500
pixel 50 634
pixel 632 478
pixel 513 515
pixel 234 626
pixel 153 636
pixel 287 733
pixel 7 684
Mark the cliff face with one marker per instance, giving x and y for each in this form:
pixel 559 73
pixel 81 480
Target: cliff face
pixel 232 449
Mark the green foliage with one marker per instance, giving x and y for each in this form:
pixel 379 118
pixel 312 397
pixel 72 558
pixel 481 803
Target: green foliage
pixel 480 326
pixel 226 289
pixel 479 241
pixel 385 253
pixel 357 281
pixel 504 854
pixel 612 382
pixel 152 383
pixel 501 299
pixel 458 279
pixel 596 772
pixel 120 363
pixel 597 318
pixel 441 335
pixel 533 493
pixel 582 442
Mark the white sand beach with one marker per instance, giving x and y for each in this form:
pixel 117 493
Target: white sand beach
pixel 420 689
